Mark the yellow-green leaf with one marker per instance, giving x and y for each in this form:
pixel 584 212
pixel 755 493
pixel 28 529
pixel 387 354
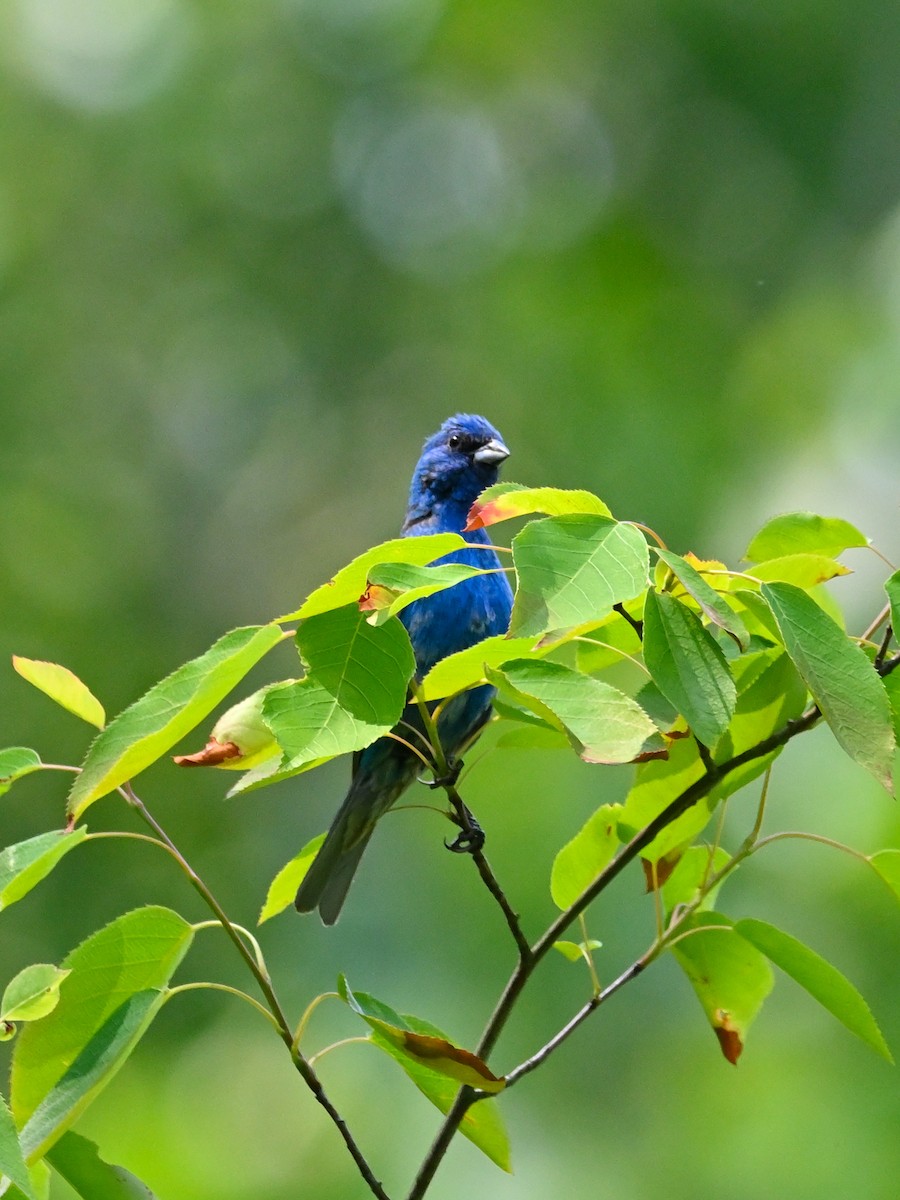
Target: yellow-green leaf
pixel 283 887
pixel 173 707
pixel 61 685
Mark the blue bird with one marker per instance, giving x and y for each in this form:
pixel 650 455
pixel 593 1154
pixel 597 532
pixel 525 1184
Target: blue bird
pixel 456 464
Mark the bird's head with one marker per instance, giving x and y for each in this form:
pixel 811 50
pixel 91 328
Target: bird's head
pixel 458 462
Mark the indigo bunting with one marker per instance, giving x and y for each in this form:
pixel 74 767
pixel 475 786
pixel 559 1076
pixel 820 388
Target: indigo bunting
pixel 456 464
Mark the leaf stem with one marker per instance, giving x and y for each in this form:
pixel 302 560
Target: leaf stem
pixel 222 987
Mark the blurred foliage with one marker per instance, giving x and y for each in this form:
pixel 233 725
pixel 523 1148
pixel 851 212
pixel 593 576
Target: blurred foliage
pixel 250 256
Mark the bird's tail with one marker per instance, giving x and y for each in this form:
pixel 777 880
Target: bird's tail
pixel 328 880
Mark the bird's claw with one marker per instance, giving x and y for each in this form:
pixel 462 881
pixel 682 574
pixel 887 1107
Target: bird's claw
pixel 449 779
pixel 467 841
pixel 470 838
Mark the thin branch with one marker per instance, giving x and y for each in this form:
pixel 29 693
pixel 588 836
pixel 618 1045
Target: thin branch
pixel 636 625
pixel 307 1073
pixel 569 1028
pixel 447 780
pixel 488 877
pixel 713 775
pixel 884 647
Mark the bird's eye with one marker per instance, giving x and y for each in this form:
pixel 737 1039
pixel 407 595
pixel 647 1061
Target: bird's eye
pixel 454 441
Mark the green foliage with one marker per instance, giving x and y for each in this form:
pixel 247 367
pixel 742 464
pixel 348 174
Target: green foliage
pixel 823 981
pixel 283 887
pixel 572 570
pixel 12 1160
pixel 730 976
pixel 506 500
pixel 61 685
pixel 699 677
pixel 581 860
pixel 33 993
pixel 603 724
pixel 152 725
pixel 839 675
pixel 16 762
pixel 115 986
pixel 688 666
pixel 804 533
pixel 436 1067
pixel 78 1162
pixel 24 865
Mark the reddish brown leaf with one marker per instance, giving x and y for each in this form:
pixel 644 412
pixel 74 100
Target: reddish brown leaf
pixel 213 753
pixel 656 874
pixel 449 1059
pixel 729 1037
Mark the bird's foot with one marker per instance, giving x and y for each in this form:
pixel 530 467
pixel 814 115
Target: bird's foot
pixel 451 776
pixel 470 838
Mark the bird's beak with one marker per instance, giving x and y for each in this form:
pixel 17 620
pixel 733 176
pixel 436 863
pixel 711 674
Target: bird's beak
pixel 491 452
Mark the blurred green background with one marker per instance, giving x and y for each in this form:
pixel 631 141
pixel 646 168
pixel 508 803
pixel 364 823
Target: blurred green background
pixel 250 256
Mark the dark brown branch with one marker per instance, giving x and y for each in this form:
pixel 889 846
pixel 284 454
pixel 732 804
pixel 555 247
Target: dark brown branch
pixel 714 773
pixel 636 625
pixel 463 817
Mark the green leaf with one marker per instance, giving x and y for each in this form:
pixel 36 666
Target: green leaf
pixel 482 1124
pixel 533 737
pixel 25 864
pixel 769 693
pixel 603 724
pixel 583 858
pixel 12 1160
pixel 506 500
pixel 33 993
pixel 61 685
pixel 710 601
pixel 688 666
pixel 577 951
pixel 573 570
pixel 16 762
pixel 350 582
pixel 311 727
pixel 696 866
pixel 824 982
pixel 367 670
pixel 804 533
pixel 892 687
pixel 466 668
pixel 152 725
pixel 841 678
pixel 112 993
pixel 91 1071
pixel 656 785
pixel 887 864
pixel 802 570
pixel 892 587
pixel 79 1163
pixel 283 887
pixel 729 975
pixel 394 586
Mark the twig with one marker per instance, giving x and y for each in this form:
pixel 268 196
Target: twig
pixel 261 976
pixel 488 877
pixel 713 774
pixel 446 778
